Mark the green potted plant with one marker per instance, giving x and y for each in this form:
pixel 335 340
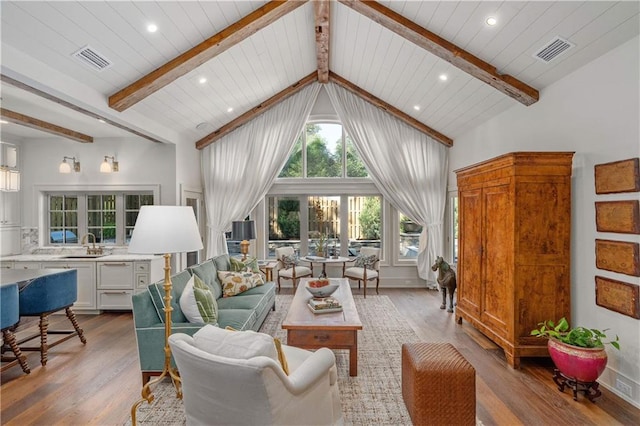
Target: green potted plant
pixel 579 352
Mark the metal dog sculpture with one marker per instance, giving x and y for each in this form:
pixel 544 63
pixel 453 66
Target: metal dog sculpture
pixel 447 281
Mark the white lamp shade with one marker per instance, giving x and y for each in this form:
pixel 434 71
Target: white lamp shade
pixel 165 229
pixel 64 167
pixel 105 167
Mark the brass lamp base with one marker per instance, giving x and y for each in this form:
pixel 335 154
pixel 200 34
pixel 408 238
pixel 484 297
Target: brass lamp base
pixel 244 249
pixel 147 395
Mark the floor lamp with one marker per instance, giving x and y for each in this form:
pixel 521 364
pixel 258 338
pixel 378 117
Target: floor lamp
pixel 166 230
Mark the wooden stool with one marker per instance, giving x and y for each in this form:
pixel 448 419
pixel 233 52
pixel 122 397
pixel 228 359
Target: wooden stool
pixel 438 385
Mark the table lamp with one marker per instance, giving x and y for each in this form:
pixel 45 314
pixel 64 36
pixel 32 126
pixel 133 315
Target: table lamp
pixel 164 230
pixel 243 230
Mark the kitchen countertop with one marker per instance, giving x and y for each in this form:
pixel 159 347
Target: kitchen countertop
pixel 65 257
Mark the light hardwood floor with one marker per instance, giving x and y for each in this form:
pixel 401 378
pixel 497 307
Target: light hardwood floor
pixel 97 383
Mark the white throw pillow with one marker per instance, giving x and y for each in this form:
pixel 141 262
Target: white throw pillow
pixel 198 303
pixel 234 344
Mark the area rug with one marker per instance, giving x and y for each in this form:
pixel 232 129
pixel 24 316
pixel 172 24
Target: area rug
pixel 373 397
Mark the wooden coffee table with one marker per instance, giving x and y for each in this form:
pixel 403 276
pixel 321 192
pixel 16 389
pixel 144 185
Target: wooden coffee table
pixel 334 330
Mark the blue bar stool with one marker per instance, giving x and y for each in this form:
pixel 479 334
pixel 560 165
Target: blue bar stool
pixel 9 317
pixel 45 295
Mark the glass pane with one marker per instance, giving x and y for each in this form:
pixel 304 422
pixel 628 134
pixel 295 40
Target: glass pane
pixel 93 218
pixel 365 223
pixel 70 203
pixel 95 231
pixel 55 220
pixel 132 202
pixel 71 219
pixel 131 218
pixel 109 219
pixel 324 224
pixel 93 202
pixel 293 168
pixel 324 150
pixel 284 223
pixel 108 202
pixel 56 235
pixel 71 236
pixel 55 202
pixel 109 235
pixel 146 200
pixel 409 237
pixel 355 166
pixel 128 233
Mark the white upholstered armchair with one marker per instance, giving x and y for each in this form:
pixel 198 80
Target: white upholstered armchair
pixel 229 390
pixel 290 271
pixel 364 269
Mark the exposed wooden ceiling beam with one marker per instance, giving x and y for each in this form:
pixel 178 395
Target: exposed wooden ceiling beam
pixel 62 102
pixel 440 47
pixel 255 111
pixel 203 52
pixel 34 123
pixel 390 109
pixel 321 13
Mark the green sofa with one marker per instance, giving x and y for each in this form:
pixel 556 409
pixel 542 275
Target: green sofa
pixel 245 311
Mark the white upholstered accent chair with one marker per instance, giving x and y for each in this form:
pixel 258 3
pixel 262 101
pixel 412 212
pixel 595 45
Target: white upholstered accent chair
pixel 290 272
pixel 365 272
pixel 224 390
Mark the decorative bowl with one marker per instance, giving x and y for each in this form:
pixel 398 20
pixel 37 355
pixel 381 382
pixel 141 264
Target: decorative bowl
pixel 318 288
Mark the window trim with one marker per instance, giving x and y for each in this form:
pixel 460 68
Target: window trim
pixel 42 191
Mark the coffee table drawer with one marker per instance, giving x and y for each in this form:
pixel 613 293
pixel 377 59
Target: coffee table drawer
pixel 328 338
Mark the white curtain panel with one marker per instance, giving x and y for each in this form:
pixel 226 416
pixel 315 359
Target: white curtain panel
pixel 240 167
pixel 408 167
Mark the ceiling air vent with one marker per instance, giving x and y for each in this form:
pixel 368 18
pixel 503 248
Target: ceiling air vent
pixel 88 56
pixel 553 49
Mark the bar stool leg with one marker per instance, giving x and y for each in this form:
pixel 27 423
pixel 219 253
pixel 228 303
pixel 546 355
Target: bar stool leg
pixel 44 327
pixel 72 317
pixel 10 339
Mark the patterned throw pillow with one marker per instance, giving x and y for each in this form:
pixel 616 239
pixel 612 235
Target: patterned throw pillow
pixel 364 261
pixel 289 261
pixel 250 264
pixel 197 302
pixel 237 282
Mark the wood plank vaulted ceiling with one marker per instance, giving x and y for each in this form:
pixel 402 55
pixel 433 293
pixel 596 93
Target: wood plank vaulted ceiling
pixel 253 54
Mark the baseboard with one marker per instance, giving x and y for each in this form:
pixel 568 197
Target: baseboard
pixel 614 381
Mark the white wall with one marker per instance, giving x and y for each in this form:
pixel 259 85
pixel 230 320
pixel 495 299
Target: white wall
pixel 594 112
pixel 141 162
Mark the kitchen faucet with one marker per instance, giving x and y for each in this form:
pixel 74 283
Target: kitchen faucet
pixel 94 249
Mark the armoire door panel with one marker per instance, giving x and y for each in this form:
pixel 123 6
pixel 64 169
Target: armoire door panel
pixel 498 255
pixel 539 231
pixel 540 295
pixel 470 225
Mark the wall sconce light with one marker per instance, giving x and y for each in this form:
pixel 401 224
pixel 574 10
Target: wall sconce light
pixel 107 167
pixel 9 180
pixel 66 167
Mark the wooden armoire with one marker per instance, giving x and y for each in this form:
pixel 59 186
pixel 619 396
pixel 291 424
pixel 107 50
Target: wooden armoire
pixel 514 215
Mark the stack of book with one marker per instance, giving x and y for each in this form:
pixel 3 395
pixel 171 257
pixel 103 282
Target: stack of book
pixel 325 304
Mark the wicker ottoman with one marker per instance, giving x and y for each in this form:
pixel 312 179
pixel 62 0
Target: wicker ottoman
pixel 438 385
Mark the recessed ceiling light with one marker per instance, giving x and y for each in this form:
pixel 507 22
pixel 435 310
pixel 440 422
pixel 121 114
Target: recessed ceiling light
pixel 416 107
pixel 491 21
pixel 152 28
pixel 443 77
pixel 202 80
pixel 229 109
pixel 4 122
pixel 101 120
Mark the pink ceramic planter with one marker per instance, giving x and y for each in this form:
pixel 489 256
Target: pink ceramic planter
pixel 582 364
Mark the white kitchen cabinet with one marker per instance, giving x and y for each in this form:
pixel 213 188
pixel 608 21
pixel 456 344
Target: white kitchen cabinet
pixel 103 284
pixel 27 265
pixel 9 240
pixel 117 281
pixel 86 281
pixel 9 208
